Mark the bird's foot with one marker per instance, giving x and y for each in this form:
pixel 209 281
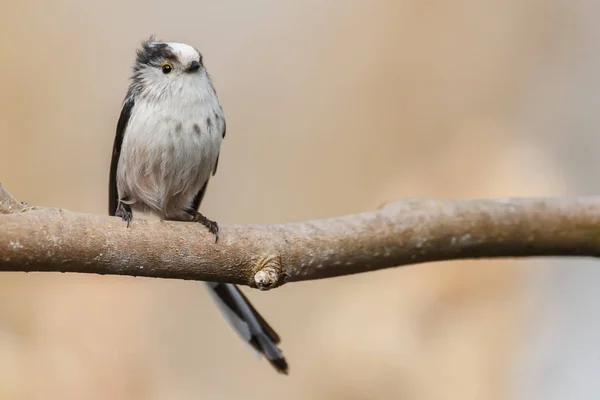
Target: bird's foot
pixel 212 226
pixel 124 211
pixel 127 216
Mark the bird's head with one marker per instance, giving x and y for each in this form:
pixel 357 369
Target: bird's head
pixel 163 65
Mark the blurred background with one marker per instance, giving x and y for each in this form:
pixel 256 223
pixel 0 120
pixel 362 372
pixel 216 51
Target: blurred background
pixel 332 107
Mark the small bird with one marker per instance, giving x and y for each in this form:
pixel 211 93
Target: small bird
pixel 166 148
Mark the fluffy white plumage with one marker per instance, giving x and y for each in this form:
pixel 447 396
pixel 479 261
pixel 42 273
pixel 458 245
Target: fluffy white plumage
pixel 172 139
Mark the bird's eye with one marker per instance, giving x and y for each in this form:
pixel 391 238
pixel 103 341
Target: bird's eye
pixel 166 68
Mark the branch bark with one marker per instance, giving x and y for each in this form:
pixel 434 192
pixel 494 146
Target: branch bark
pixel 405 232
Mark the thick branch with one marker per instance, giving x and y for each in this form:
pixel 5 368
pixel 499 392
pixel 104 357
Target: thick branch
pixel 265 256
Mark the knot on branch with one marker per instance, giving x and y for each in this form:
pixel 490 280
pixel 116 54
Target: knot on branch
pixel 269 272
pixel 10 205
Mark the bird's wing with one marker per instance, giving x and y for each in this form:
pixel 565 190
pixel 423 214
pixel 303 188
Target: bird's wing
pixel 200 195
pixel 113 194
pixel 216 164
pixel 223 137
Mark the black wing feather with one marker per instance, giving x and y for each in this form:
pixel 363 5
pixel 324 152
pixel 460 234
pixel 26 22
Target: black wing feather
pixel 113 194
pixel 199 197
pixel 216 165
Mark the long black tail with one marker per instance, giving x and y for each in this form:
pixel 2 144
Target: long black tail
pixel 248 323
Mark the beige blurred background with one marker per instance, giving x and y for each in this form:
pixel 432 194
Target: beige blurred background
pixel 332 107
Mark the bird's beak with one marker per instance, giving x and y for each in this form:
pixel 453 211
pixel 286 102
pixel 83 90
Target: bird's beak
pixel 194 66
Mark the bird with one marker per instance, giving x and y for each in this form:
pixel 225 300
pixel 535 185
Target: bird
pixel 166 148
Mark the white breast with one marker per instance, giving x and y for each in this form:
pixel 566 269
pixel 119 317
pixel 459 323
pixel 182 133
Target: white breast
pixel 170 148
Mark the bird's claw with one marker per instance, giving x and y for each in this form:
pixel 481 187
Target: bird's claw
pixel 124 211
pixel 212 226
pixel 127 217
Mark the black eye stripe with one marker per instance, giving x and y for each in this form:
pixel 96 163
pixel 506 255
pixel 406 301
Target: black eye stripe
pixel 153 53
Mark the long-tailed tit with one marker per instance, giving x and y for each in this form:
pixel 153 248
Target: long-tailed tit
pixel 166 148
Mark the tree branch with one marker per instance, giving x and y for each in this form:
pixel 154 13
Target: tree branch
pixel 266 256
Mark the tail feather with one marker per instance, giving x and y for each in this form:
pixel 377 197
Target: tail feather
pixel 248 323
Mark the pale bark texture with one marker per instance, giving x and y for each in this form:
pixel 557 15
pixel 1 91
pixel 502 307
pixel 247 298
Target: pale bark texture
pixel 266 256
